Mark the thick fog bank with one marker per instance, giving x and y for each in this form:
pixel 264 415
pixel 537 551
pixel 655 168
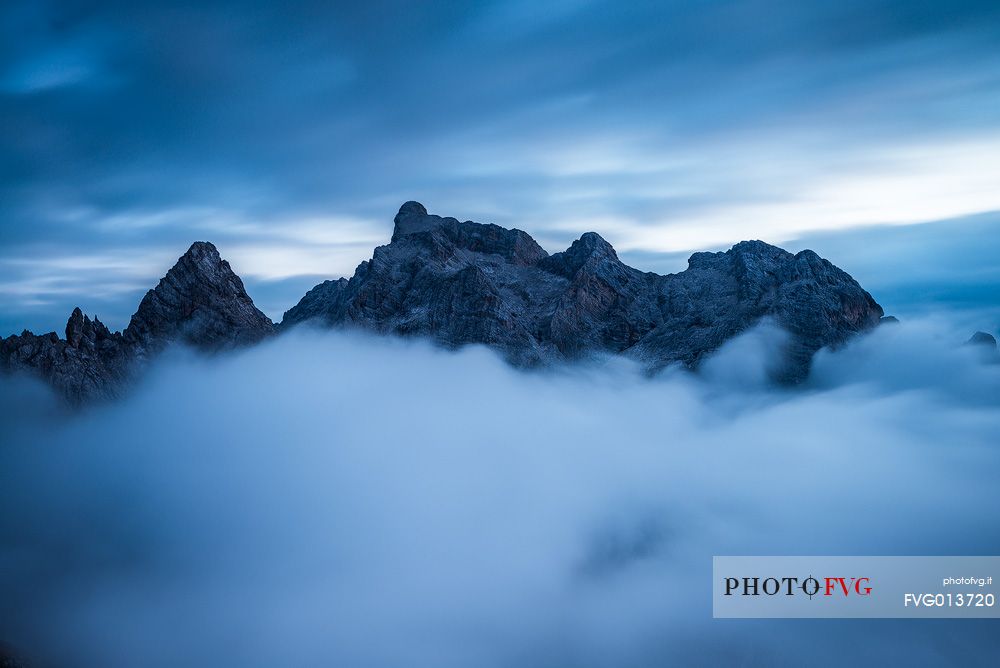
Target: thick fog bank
pixel 332 500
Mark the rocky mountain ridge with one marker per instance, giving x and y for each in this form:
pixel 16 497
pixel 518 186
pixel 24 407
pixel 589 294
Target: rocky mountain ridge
pixel 461 283
pixel 200 302
pixel 464 282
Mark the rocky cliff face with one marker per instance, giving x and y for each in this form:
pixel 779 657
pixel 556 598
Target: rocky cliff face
pixel 91 362
pixel 200 303
pixel 464 282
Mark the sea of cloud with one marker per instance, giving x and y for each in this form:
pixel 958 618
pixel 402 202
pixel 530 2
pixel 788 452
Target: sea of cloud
pixel 340 500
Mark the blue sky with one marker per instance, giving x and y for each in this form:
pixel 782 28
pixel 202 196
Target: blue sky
pixel 289 134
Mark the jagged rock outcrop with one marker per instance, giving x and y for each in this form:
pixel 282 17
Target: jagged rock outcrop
pixel 463 282
pixel 90 362
pixel 316 300
pixel 200 302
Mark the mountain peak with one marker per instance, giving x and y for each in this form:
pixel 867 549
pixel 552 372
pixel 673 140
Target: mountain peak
pixel 590 249
pixel 473 283
pixel 592 243
pixel 74 326
pixel 203 261
pixel 756 247
pixel 413 218
pixel 465 282
pixel 412 208
pixel 202 249
pixel 201 302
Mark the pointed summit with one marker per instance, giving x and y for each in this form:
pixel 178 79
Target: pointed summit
pixel 464 283
pixel 200 302
pixel 590 249
pixel 74 327
pixel 81 331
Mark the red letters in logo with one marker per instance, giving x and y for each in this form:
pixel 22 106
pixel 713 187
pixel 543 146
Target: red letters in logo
pixel 858 586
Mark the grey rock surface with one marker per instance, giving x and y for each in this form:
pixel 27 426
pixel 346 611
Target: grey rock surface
pixel 460 283
pixel 91 362
pixel 200 303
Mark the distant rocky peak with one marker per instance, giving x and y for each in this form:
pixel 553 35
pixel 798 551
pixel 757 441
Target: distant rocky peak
pixel 201 248
pixel 80 328
pixel 413 223
pixel 75 326
pixel 757 257
pixel 589 250
pixel 203 251
pixel 747 258
pixel 202 264
pixel 413 218
pixel 201 302
pixel 412 208
pixel 202 269
pixel 756 247
pixel 592 244
pixel 470 283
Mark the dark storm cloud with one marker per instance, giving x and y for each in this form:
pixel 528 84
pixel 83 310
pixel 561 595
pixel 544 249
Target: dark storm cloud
pixel 133 128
